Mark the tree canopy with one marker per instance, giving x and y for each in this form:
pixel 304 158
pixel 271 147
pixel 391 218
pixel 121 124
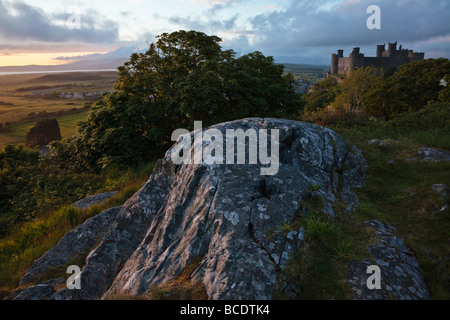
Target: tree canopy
pixel 409 87
pixel 43 132
pixel 182 77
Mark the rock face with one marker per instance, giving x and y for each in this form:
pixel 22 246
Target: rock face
pixel 76 242
pixel 400 275
pixel 94 199
pixel 431 154
pixel 220 213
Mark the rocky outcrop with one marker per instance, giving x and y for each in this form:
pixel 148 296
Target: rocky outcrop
pixel 400 276
pixel 77 242
pixel 220 213
pixel 431 154
pixel 94 199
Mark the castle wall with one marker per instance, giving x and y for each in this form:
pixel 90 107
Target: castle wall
pixel 384 59
pixel 385 63
pixel 344 65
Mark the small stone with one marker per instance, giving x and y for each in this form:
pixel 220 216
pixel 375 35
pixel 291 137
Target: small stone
pixel 301 234
pixel 291 235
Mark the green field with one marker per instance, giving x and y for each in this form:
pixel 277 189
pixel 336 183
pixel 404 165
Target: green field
pixel 67 124
pixel 27 98
pixel 306 72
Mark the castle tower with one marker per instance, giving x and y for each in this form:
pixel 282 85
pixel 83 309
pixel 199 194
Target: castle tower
pixel 334 63
pixel 380 50
pixel 392 49
pixel 356 59
pixel 340 53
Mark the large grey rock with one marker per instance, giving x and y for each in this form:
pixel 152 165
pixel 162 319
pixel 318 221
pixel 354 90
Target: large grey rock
pixel 222 214
pixel 78 241
pixel 431 154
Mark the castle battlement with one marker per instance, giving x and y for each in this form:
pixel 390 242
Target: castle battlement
pixel 384 59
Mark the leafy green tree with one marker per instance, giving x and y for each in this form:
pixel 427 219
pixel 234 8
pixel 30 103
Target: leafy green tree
pixel 182 77
pixel 43 132
pixel 417 83
pixel 355 85
pixel 444 95
pixel 321 94
pixel 409 89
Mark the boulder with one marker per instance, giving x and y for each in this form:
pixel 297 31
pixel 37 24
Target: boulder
pixel 431 154
pixel 219 214
pixel 85 203
pixel 400 275
pixel 76 242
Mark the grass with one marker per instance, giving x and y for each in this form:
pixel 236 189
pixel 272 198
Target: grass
pixel 400 194
pixel 182 287
pixel 67 125
pixel 31 240
pixel 19 107
pixel 397 193
pixel 28 241
pixel 319 268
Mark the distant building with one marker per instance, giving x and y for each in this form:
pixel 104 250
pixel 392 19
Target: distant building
pixel 385 59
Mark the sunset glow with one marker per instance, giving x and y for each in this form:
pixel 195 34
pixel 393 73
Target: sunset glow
pixel 26 59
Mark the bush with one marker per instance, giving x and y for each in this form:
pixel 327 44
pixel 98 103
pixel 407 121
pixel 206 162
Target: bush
pixel 30 185
pixel 321 94
pixel 43 132
pixel 409 89
pixel 335 116
pixel 435 115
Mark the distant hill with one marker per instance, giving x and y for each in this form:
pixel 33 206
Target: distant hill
pixel 294 67
pixel 75 66
pixel 107 61
pixel 306 74
pixel 69 76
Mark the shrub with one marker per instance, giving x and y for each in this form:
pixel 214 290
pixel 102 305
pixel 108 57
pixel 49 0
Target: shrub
pixel 43 132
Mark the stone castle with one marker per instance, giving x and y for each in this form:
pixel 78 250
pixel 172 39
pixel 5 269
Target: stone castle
pixel 385 59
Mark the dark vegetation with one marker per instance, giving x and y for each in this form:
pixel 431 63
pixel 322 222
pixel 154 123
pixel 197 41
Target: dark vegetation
pixel 186 76
pixel 44 132
pixel 69 76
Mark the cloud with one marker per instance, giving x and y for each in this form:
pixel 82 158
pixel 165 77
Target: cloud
pixel 304 26
pixel 21 22
pixel 208 26
pixel 121 52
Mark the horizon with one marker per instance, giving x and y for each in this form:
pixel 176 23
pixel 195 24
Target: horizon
pixel 52 33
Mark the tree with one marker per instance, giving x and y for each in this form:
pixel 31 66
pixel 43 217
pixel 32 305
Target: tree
pixel 409 89
pixel 182 77
pixel 321 94
pixel 43 132
pixel 355 85
pixel 444 95
pixel 417 83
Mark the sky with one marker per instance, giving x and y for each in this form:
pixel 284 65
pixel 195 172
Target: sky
pixel 298 31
